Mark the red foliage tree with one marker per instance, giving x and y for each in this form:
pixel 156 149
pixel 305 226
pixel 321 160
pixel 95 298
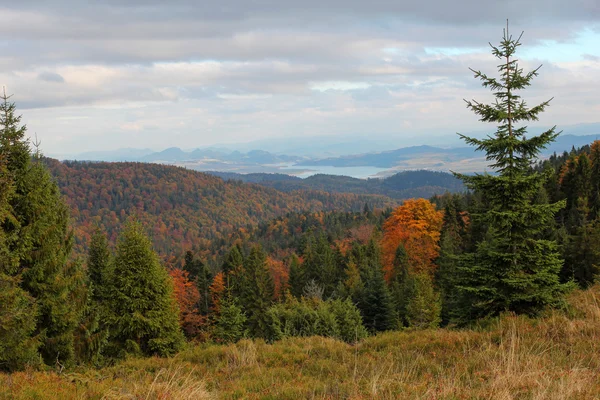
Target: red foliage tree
pixel 187 296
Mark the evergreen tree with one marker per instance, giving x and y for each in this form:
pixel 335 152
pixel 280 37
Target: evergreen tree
pixel 204 279
pixel 376 305
pixel 401 287
pixel 92 332
pixel 582 255
pixel 233 265
pixel 229 326
pixel 423 307
pixel 40 241
pixel 296 279
pixel 14 146
pixel 145 314
pixel 595 180
pixel 18 311
pixel 193 266
pixel 512 268
pixel 259 292
pixel 99 266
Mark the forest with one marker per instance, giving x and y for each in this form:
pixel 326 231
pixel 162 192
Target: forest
pixel 121 266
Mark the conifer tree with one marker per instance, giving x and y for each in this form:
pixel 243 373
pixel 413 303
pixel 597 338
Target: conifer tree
pixel 376 304
pixel 99 266
pixel 42 241
pixel 145 313
pixel 259 292
pixel 296 279
pixel 204 280
pixel 595 180
pixel 512 268
pixel 229 326
pixel 423 308
pixel 192 266
pixel 400 286
pixel 18 311
pixel 233 266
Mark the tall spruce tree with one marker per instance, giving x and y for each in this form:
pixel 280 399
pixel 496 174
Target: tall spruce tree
pixel 18 311
pixel 296 278
pixel 512 268
pixel 100 267
pixel 258 292
pixel 145 314
pixel 42 241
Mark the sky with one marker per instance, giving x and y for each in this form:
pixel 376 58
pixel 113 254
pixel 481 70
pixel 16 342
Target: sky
pixel 101 75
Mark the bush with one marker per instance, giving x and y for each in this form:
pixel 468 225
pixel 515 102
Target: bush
pixel 338 319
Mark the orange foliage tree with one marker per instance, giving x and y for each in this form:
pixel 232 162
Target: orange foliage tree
pixel 416 225
pixel 187 296
pixel 280 275
pixel 217 290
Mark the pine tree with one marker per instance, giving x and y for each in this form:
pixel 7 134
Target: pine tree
pixel 423 308
pixel 193 266
pixel 145 313
pixel 18 311
pixel 595 180
pixel 233 265
pixel 230 323
pixel 99 266
pixel 204 280
pixel 40 242
pixel 296 279
pixel 259 292
pixel 401 287
pixel 14 146
pixel 512 268
pixel 376 305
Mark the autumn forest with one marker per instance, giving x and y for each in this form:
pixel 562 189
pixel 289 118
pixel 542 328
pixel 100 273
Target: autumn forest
pixel 122 267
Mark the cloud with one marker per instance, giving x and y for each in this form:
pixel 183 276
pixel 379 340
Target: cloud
pixel 50 77
pixel 237 70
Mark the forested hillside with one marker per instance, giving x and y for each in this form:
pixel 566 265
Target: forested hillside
pixel 403 185
pixel 180 208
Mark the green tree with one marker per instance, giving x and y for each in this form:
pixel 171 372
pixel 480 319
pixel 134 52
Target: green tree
pixel 233 265
pixel 423 308
pixel 296 278
pixel 145 314
pixel 99 267
pixel 512 268
pixel 230 324
pixel 376 305
pixel 40 241
pixel 258 294
pixel 18 311
pixel 92 332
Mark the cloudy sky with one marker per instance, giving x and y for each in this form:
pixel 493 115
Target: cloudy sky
pixel 95 75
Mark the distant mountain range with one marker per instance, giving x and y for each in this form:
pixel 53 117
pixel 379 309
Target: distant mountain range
pixel 385 163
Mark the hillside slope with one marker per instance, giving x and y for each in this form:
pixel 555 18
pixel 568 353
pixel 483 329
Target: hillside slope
pixel 181 208
pixel 555 358
pixel 403 185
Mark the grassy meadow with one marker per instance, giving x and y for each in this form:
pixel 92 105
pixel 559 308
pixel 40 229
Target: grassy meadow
pixel 553 357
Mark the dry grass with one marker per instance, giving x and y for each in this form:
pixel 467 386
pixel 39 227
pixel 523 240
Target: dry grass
pixel 554 357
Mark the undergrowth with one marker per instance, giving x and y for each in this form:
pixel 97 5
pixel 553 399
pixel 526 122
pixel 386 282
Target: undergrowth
pixel 556 356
